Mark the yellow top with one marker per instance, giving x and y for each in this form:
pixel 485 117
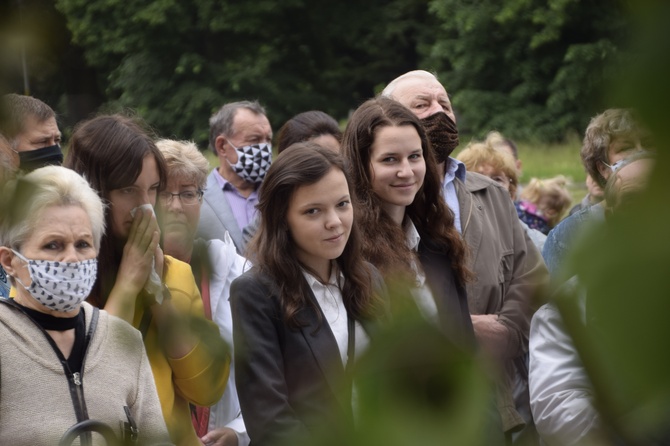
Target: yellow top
pixel 199 377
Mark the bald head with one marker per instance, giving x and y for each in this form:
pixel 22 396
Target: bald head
pixel 421 92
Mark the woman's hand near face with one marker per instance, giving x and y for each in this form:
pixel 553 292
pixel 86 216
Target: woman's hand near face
pixel 135 266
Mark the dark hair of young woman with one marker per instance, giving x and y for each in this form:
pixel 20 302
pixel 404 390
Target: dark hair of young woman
pixel 305 126
pixel 108 151
pixel 384 244
pixel 273 251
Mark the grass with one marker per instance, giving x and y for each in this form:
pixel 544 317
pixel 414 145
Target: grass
pixel 542 160
pixel 549 160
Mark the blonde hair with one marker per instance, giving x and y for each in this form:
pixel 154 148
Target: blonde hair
pixel 481 154
pixel 30 195
pixel 602 130
pixel 184 160
pixel 554 191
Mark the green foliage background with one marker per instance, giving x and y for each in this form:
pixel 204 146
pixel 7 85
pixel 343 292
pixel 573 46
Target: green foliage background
pixel 529 68
pixel 533 69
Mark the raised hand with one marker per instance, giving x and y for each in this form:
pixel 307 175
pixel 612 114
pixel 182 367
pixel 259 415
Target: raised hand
pixel 136 264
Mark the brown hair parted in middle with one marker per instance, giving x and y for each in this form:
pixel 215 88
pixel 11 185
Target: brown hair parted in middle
pixel 272 249
pixel 429 213
pixel 108 151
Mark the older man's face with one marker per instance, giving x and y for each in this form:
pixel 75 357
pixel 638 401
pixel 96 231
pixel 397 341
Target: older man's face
pixel 424 97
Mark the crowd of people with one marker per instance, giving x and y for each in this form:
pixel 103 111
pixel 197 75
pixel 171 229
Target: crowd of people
pixel 178 304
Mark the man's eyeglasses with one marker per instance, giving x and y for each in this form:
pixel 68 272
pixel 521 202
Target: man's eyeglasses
pixel 187 197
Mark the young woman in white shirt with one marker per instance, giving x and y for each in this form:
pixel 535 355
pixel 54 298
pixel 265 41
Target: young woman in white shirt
pixel 408 230
pixel 300 315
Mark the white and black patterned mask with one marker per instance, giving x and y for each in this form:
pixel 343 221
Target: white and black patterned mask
pixel 60 286
pixel 253 162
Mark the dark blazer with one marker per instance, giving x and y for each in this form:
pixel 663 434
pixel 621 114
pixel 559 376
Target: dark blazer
pixel 450 297
pixel 290 381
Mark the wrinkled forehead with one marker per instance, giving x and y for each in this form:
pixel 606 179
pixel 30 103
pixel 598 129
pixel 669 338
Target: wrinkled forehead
pixel 32 125
pixel 413 86
pixel 246 120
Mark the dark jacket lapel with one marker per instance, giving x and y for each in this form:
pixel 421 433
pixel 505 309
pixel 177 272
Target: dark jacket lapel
pixel 323 345
pixel 450 297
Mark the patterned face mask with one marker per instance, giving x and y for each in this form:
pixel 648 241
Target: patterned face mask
pixel 253 162
pixel 442 134
pixel 60 286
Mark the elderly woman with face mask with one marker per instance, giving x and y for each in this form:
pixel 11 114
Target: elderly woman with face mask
pixel 215 264
pixel 64 361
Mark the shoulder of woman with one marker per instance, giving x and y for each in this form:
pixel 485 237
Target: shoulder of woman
pixel 179 278
pixel 253 277
pixel 113 329
pixel 222 255
pixel 254 282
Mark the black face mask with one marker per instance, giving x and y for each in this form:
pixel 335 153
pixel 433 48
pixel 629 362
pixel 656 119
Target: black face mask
pixel 442 134
pixel 46 156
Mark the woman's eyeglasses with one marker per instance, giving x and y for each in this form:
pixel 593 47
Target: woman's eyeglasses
pixel 187 197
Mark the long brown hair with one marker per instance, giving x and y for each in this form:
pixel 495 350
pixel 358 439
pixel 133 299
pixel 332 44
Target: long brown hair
pixel 108 151
pixel 383 239
pixel 273 251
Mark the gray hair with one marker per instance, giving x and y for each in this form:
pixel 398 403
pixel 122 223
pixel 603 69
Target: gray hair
pixel 29 195
pixel 420 74
pixel 184 160
pixel 221 122
pixel 17 108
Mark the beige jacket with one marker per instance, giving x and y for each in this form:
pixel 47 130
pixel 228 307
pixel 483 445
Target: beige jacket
pixel 509 271
pixel 36 406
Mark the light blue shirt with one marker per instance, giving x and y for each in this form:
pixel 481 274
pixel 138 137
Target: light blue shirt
pixel 244 208
pixel 455 169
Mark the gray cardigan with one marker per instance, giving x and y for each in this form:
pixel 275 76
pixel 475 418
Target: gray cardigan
pixel 36 404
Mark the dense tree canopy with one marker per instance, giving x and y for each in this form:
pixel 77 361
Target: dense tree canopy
pixel 176 62
pixel 530 68
pixel 533 69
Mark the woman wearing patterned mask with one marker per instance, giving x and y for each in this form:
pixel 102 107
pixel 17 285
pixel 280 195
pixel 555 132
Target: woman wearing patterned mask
pixel 64 361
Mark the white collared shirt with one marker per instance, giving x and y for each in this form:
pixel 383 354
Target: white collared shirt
pixel 329 298
pixel 420 292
